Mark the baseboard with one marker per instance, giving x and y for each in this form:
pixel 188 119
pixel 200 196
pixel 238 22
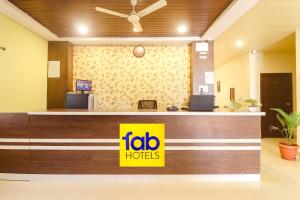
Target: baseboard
pixel 136 178
pixel 14 177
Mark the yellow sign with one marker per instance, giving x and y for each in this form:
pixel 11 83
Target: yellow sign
pixel 142 145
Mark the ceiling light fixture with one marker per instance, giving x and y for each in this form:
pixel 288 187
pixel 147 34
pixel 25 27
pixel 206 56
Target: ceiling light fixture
pixel 239 43
pixel 139 51
pixel 182 29
pixel 83 29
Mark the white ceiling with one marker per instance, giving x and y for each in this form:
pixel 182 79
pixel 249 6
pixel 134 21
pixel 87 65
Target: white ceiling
pixel 267 22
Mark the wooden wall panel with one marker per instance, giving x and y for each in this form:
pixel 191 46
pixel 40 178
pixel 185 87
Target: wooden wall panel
pixel 57 87
pixel 14 161
pixel 177 127
pixel 14 125
pixel 45 157
pixel 177 162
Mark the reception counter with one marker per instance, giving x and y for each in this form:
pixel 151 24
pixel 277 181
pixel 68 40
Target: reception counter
pixel 200 145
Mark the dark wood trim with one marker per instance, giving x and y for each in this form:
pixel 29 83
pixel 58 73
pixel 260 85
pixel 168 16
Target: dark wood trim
pixel 274 74
pixel 61 17
pixel 14 125
pixel 73 144
pixel 14 161
pixel 177 162
pixel 177 127
pixel 107 161
pixel 117 144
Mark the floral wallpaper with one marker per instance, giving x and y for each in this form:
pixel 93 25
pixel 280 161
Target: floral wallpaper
pixel 120 79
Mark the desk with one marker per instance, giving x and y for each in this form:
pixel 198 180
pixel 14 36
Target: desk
pixel 206 145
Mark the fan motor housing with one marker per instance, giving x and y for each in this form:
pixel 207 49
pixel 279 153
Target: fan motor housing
pixel 133 18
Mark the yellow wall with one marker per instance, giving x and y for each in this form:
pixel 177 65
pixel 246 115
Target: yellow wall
pixel 274 62
pixel 23 68
pixel 232 74
pixel 120 79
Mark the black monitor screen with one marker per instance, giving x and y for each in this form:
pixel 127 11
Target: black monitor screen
pixel 202 103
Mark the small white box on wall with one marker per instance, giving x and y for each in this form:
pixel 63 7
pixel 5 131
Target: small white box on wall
pixel 202 46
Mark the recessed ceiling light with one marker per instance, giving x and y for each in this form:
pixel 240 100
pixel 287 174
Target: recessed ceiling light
pixel 239 43
pixel 82 29
pixel 182 29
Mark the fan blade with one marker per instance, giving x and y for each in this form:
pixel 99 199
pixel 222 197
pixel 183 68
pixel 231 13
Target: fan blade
pixel 137 27
pixel 152 8
pixel 110 12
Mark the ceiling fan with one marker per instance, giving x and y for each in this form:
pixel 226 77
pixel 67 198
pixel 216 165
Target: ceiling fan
pixel 134 17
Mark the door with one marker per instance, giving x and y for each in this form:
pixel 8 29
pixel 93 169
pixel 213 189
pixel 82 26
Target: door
pixel 276 92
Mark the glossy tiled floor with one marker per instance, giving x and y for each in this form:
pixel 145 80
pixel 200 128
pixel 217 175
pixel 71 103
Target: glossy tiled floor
pixel 280 180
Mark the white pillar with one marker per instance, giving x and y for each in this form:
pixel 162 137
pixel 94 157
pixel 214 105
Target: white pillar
pixel 252 74
pixel 298 77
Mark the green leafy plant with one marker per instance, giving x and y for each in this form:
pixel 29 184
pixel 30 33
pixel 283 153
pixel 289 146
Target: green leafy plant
pixel 252 102
pixel 237 105
pixel 242 105
pixel 289 123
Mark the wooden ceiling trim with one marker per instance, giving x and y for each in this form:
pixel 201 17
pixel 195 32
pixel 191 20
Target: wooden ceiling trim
pixel 61 17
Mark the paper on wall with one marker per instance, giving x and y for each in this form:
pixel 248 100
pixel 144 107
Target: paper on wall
pixel 53 69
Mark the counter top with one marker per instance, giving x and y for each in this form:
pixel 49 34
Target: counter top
pixel 144 112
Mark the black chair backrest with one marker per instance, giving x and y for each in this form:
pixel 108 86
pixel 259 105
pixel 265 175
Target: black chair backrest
pixel 147 104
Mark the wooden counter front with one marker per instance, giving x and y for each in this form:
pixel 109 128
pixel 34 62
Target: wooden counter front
pixel 87 144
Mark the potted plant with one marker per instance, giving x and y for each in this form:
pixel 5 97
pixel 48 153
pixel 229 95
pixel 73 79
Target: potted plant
pixel 289 123
pixel 237 105
pixel 244 105
pixel 253 105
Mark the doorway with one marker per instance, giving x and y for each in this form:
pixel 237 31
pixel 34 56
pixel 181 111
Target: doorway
pixel 276 91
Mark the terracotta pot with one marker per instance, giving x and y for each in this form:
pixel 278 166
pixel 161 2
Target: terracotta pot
pixel 288 152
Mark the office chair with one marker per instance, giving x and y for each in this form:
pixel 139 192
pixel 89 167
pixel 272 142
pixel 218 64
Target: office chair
pixel 147 104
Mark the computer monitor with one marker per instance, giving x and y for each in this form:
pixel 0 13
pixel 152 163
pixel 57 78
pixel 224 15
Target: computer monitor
pixel 77 101
pixel 202 103
pixel 83 85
